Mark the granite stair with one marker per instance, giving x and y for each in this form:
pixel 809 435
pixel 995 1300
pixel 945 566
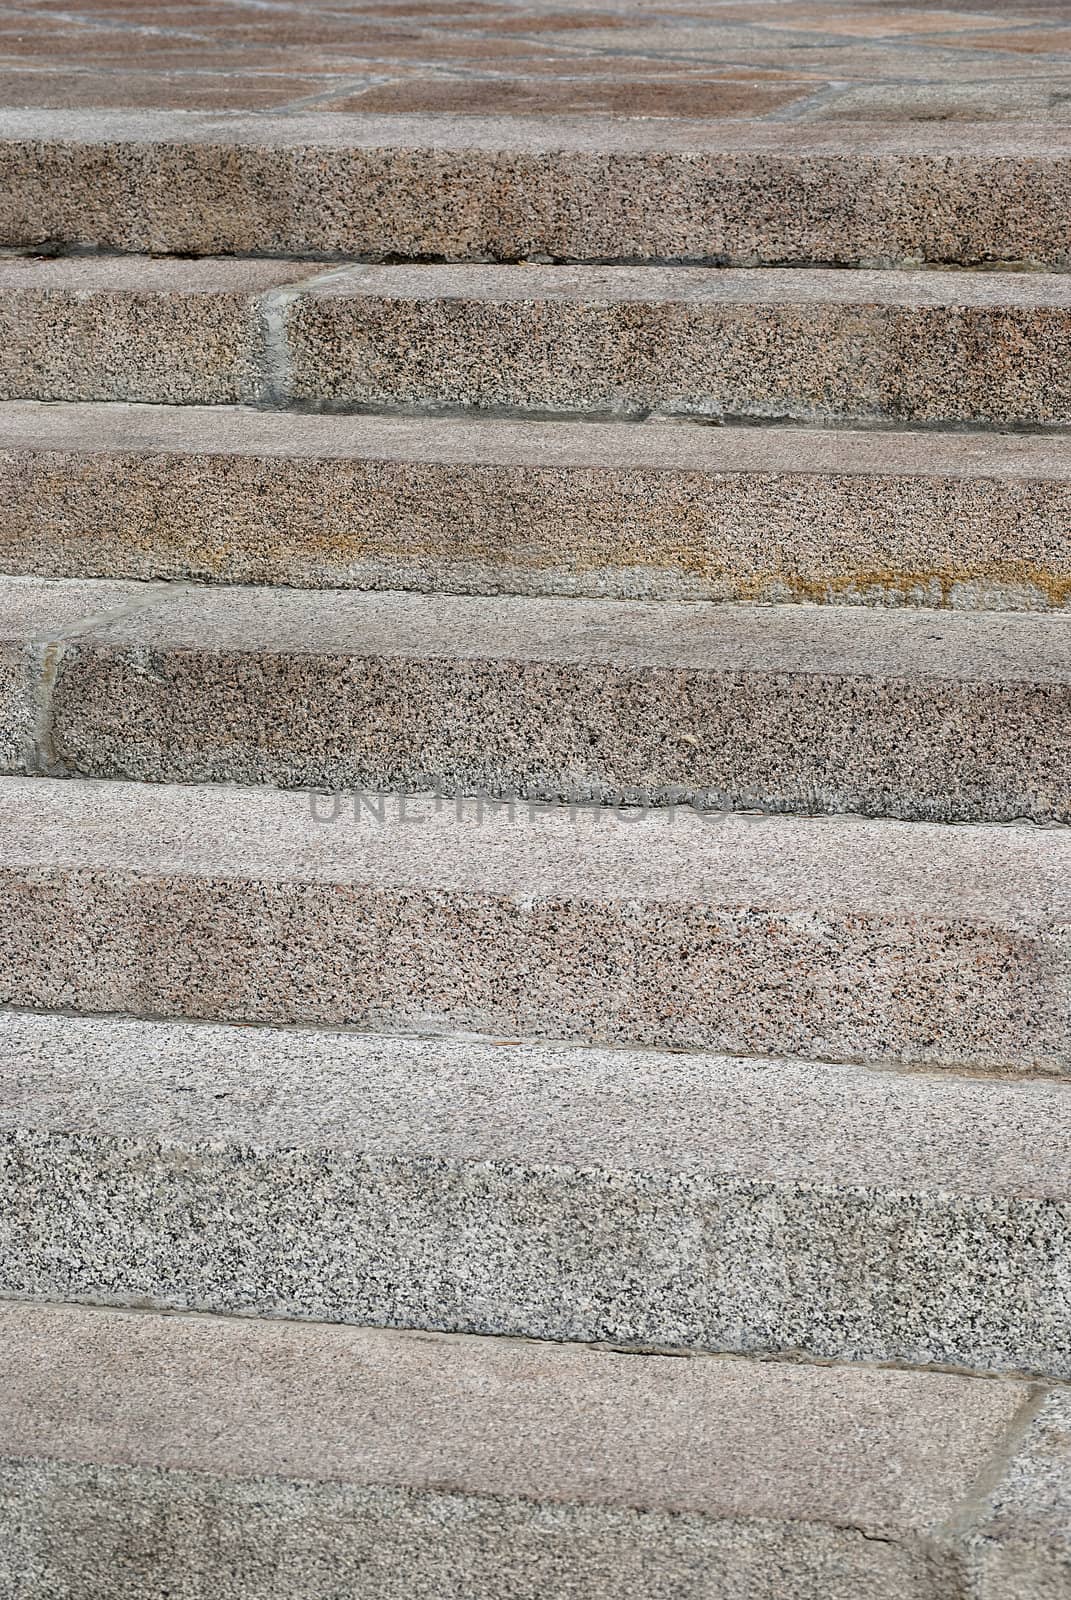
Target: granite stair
pixel 535 879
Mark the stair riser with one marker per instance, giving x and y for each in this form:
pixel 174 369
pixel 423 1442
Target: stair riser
pixel 104 1525
pixel 988 542
pixel 808 363
pixel 747 979
pixel 722 739
pixel 500 1247
pixel 298 194
pixel 333 350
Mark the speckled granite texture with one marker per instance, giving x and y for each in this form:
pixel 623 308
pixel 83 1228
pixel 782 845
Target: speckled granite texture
pixel 651 512
pixel 550 1192
pixel 509 189
pixel 833 938
pixel 621 341
pixel 1022 1547
pixel 912 714
pixel 253 1456
pixel 602 341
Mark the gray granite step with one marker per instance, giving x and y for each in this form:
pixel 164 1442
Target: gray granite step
pixel 936 715
pixel 681 1201
pixel 248 1458
pixel 828 938
pixel 987 348
pixel 507 188
pixel 974 521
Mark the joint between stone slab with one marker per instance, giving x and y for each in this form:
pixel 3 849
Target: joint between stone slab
pixel 40 757
pixel 971 1509
pixel 271 387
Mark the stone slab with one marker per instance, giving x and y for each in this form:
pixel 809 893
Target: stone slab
pixel 835 939
pixel 578 188
pixel 1022 1544
pixel 35 617
pixel 648 1199
pixel 916 714
pixel 807 345
pixel 804 345
pixel 239 495
pixel 260 1454
pixel 100 328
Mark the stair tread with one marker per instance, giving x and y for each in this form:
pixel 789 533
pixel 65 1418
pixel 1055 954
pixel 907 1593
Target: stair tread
pixel 826 641
pixel 1007 875
pixel 908 713
pixel 786 1123
pixel 463 505
pixel 97 426
pixel 832 938
pixel 718 343
pixel 520 1188
pixel 508 187
pixel 510 1459
pixel 542 135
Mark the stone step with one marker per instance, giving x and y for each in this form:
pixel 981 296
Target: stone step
pixel 507 188
pixel 669 512
pixel 917 714
pixel 557 1192
pixel 255 1458
pixel 805 345
pixel 835 939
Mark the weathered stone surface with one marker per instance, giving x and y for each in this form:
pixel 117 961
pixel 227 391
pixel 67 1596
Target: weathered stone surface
pixel 246 496
pixel 139 329
pixel 628 341
pixel 35 617
pixel 915 714
pixel 649 1199
pixel 699 58
pixel 834 939
pixel 1022 1542
pixel 807 345
pixel 510 188
pixel 256 1455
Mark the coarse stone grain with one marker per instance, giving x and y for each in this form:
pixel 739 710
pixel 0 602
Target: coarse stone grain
pixel 231 494
pixel 510 188
pixel 625 342
pixel 916 714
pixel 100 328
pixel 667 1200
pixel 806 345
pixel 1022 1543
pixel 249 1455
pixel 35 615
pixel 833 938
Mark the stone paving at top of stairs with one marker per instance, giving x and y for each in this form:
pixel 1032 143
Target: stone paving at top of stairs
pixel 931 60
